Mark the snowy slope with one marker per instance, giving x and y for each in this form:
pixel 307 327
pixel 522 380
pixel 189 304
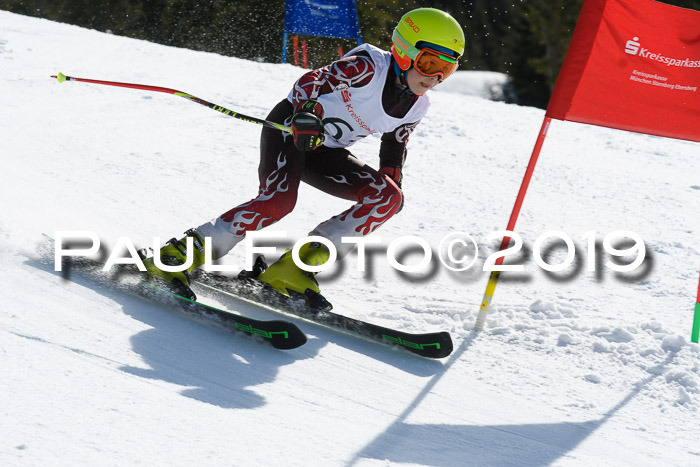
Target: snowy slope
pixel 583 368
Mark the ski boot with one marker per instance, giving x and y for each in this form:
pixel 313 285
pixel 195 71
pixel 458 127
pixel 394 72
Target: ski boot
pixel 286 277
pixel 174 253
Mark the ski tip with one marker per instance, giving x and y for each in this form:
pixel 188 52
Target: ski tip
pixel 288 336
pixel 60 77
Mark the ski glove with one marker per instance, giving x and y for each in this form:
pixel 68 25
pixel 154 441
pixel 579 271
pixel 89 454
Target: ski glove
pixel 395 174
pixel 307 125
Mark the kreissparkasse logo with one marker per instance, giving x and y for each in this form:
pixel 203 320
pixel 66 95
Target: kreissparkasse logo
pixel 632 46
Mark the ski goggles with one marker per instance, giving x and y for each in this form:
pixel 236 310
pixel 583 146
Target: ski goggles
pixel 430 62
pixel 427 61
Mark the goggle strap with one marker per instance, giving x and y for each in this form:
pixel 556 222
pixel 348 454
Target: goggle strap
pixel 403 45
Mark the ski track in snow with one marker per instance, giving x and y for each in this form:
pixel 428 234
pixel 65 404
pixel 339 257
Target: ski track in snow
pixel 576 368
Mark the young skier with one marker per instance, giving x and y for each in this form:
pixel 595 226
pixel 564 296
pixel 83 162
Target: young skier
pixel 369 91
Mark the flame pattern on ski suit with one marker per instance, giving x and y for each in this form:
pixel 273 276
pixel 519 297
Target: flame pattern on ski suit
pixel 269 206
pixel 377 202
pixel 343 74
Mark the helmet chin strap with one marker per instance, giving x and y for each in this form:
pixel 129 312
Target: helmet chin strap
pixel 401 74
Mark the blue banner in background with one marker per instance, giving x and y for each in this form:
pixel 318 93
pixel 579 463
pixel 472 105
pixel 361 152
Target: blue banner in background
pixel 326 18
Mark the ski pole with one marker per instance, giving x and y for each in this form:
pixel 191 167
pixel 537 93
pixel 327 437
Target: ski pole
pixel 61 78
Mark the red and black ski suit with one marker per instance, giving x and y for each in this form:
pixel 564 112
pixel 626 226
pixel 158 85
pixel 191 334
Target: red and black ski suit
pixel 336 171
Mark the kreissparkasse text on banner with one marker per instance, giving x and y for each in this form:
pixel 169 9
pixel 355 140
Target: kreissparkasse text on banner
pixel 632 65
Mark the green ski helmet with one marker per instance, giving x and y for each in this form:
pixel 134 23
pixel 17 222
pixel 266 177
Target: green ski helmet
pixel 426 27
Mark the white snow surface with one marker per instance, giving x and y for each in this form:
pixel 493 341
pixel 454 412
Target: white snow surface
pixel 583 368
pixel 487 84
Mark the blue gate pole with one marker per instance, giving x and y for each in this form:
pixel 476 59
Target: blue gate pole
pixel 284 47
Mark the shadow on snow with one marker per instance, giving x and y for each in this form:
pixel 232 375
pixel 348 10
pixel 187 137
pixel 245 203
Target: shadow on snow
pixel 215 366
pixel 449 445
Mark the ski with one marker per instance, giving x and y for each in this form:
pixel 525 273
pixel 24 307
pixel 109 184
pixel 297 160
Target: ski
pixel 283 335
pixel 314 307
pixel 280 334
